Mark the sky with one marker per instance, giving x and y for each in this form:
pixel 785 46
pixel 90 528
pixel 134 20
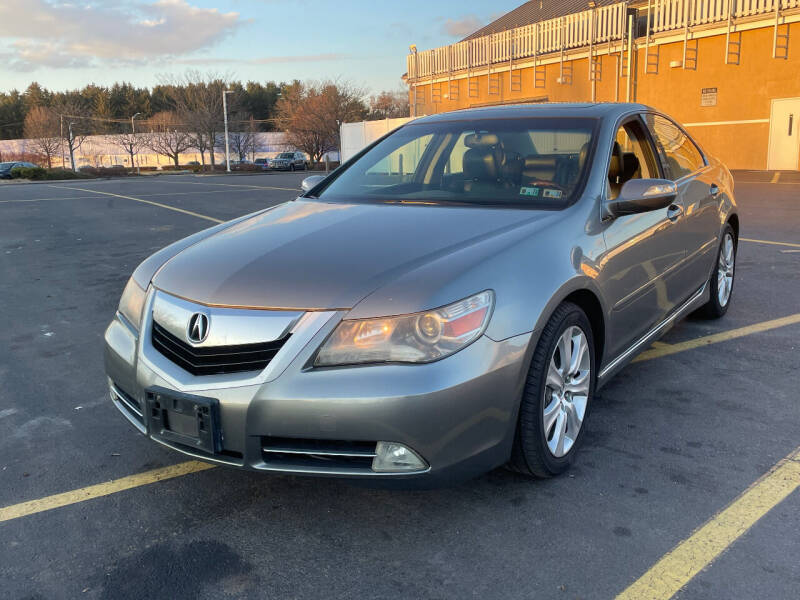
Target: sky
pixel 66 45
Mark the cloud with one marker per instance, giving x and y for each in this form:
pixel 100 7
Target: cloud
pixel 42 33
pixel 265 60
pixel 462 27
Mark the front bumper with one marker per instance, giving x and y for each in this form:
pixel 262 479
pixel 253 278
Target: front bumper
pixel 458 414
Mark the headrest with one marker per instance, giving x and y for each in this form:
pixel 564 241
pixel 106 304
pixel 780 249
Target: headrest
pixel 539 162
pixel 630 164
pixel 615 167
pixel 481 164
pixel 481 140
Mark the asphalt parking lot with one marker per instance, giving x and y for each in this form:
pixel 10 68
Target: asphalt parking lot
pixel 672 441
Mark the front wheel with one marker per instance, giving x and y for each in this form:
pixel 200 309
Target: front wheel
pixel 557 395
pixel 721 282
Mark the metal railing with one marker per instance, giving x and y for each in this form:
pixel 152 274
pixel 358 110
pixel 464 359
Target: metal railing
pixel 582 29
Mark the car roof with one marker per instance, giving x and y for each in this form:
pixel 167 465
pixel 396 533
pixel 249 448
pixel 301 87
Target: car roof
pixel 544 109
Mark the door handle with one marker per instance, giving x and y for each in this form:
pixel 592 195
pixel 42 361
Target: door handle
pixel 674 212
pixel 714 190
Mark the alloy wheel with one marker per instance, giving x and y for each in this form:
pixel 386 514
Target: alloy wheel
pixel 566 392
pixel 727 258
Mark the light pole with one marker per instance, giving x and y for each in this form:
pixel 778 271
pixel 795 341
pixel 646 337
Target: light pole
pixel 225 116
pixel 71 150
pixel 63 159
pixel 133 140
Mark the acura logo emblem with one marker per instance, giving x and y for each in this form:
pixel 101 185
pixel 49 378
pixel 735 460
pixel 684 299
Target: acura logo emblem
pixel 198 328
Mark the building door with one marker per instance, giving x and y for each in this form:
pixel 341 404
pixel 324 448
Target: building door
pixel 784 135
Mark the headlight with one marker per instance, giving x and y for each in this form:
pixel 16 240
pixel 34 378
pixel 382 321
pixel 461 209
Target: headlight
pixel 132 302
pixel 418 338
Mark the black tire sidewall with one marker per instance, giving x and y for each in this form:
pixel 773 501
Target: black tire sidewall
pixel 715 308
pixel 534 443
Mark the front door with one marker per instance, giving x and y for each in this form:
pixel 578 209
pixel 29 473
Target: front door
pixel 784 135
pixel 643 256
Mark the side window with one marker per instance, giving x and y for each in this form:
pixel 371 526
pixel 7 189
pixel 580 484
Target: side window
pixel 400 165
pixel 678 153
pixel 632 157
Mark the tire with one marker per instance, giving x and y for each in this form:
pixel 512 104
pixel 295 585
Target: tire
pixel 538 450
pixel 722 278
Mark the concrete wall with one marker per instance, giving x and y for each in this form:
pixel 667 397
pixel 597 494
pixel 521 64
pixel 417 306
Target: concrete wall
pixel 744 91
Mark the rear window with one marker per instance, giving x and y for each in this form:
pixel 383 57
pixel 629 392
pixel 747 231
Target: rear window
pixel 536 162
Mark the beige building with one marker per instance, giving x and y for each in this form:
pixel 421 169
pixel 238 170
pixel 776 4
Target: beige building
pixel 729 70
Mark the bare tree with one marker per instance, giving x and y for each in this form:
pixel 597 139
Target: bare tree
pixel 41 127
pixel 389 105
pixel 198 102
pixel 167 136
pixel 131 143
pixel 77 126
pixel 243 139
pixel 311 114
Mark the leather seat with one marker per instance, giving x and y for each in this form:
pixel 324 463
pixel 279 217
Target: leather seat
pixel 484 162
pixel 616 170
pixel 539 168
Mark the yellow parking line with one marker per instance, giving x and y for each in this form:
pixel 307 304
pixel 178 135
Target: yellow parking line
pixel 692 555
pixel 657 351
pixel 790 244
pixel 776 177
pixel 101 489
pixel 95 491
pixel 167 206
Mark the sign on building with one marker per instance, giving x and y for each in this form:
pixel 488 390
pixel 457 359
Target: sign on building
pixel 708 97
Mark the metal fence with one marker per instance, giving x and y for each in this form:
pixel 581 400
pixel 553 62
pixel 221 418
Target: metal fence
pixel 581 29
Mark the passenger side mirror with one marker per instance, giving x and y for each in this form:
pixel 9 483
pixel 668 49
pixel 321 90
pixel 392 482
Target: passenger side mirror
pixel 311 182
pixel 643 195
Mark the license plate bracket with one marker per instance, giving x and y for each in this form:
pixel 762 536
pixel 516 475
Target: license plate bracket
pixel 184 419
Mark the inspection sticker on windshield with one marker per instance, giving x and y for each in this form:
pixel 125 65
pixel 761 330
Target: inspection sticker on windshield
pixel 551 193
pixel 528 191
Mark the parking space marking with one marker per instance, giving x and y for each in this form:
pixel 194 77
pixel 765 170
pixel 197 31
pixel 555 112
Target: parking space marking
pixel 23 509
pixel 657 351
pixel 140 195
pixel 167 206
pixel 692 555
pixel 790 244
pixel 101 489
pixel 260 187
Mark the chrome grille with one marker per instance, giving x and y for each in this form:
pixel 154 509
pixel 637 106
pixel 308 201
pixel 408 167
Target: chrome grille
pixel 215 360
pixel 318 455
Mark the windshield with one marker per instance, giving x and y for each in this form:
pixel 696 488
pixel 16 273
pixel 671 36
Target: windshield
pixel 286 155
pixel 535 162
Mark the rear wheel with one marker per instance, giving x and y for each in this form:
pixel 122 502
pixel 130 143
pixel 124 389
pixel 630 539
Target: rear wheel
pixel 557 395
pixel 721 282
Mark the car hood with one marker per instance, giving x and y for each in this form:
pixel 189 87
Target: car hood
pixel 308 254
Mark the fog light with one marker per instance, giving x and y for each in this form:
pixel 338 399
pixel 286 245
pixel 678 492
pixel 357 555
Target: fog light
pixel 396 458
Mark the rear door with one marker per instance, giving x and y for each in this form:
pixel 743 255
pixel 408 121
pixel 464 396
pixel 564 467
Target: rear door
pixel 643 254
pixel 698 226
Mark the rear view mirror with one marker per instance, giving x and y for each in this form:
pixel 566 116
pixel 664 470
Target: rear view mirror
pixel 311 182
pixel 643 195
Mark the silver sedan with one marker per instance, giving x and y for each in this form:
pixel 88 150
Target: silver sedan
pixel 446 302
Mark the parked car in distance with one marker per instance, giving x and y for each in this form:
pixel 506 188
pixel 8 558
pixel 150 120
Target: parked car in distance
pixel 289 161
pixel 447 303
pixel 262 162
pixel 6 167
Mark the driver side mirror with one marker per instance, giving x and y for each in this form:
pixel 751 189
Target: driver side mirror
pixel 311 182
pixel 643 195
